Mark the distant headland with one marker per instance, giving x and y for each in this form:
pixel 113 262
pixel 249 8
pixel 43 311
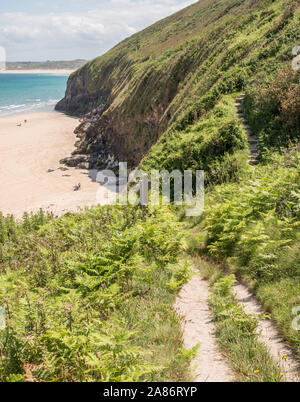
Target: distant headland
pixel 45 65
pixel 57 67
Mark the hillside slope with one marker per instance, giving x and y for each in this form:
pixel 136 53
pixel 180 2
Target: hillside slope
pixel 90 296
pixel 131 95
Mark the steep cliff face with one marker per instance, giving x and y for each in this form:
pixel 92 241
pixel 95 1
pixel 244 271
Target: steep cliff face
pixel 78 99
pixel 130 96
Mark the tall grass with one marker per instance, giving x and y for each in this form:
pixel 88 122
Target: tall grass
pixel 88 297
pixel 252 227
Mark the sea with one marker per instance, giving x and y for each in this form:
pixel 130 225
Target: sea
pixel 30 93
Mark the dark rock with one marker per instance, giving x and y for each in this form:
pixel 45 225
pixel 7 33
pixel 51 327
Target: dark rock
pixel 78 99
pixel 74 160
pixel 83 165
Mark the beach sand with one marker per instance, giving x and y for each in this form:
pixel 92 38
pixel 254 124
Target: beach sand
pixel 50 72
pixel 26 155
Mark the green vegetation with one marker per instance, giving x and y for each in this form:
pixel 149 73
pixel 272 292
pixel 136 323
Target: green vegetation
pixel 217 144
pixel 252 228
pixel 252 220
pixel 273 110
pixel 237 335
pixel 88 297
pixel 167 77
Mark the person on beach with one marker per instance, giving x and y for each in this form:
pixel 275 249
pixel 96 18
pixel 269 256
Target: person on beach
pixel 78 187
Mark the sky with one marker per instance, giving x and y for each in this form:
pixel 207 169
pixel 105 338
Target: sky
pixel 37 30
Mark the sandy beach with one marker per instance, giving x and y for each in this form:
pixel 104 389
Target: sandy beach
pixel 48 72
pixel 27 153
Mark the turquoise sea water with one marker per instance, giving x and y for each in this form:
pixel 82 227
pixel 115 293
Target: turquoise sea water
pixel 27 93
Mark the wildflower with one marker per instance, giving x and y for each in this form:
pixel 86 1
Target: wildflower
pixel 69 306
pixel 256 371
pixel 282 374
pixel 284 357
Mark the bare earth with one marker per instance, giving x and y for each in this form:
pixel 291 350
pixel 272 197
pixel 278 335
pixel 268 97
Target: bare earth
pixel 54 72
pixel 192 305
pixel 269 335
pixel 198 328
pixel 26 155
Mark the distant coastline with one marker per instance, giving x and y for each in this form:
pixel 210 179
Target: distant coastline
pixel 39 71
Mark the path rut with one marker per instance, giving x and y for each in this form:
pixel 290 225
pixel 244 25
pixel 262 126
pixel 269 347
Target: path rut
pixel 198 328
pixel 192 305
pixel 253 140
pixel 269 335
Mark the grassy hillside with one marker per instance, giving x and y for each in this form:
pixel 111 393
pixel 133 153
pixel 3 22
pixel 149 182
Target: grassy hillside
pixel 177 68
pixel 89 296
pixel 217 144
pixel 252 229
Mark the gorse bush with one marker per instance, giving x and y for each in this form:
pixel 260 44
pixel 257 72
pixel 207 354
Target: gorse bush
pixel 87 296
pixel 274 110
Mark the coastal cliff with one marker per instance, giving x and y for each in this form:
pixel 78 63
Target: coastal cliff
pixel 90 296
pixel 176 69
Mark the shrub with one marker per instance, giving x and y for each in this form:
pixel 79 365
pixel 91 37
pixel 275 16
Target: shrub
pixel 274 110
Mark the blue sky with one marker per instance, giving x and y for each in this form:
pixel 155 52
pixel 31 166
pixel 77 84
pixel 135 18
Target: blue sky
pixel 36 6
pixel 69 29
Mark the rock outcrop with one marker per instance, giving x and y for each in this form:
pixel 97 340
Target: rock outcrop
pixel 78 99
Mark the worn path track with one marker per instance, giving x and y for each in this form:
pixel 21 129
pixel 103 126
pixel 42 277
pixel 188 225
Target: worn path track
pixel 192 304
pixel 253 141
pixel 269 335
pixel 198 328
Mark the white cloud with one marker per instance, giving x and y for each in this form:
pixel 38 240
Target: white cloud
pixel 73 35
